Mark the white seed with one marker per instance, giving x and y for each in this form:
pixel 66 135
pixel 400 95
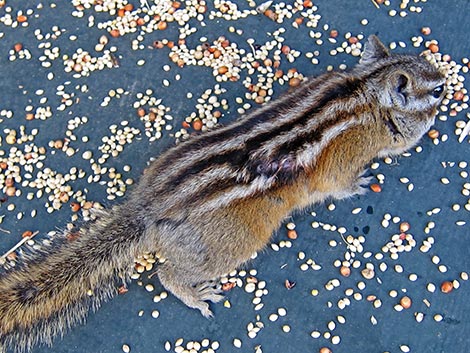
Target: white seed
pixel 398 307
pixel 438 318
pixel 442 268
pixel 250 287
pixel 315 334
pixel 335 339
pixel 290 226
pixel 286 328
pixel 87 155
pixel 419 317
pixel 126 348
pixel 237 343
pixel 404 348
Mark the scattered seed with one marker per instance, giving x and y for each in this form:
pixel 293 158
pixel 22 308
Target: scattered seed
pixel 447 287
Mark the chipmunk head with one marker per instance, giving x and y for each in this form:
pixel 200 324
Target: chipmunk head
pixel 409 90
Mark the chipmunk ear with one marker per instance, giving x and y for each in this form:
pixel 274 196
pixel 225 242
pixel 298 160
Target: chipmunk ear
pixel 373 51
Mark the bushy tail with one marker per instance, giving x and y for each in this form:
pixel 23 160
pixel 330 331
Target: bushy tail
pixel 53 290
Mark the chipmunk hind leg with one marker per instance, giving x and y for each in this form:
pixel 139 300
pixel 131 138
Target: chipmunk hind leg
pixel 188 271
pixel 184 285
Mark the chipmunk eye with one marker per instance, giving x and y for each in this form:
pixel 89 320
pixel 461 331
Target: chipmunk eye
pixel 437 92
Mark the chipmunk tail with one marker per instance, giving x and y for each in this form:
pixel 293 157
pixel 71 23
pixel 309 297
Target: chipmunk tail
pixel 55 288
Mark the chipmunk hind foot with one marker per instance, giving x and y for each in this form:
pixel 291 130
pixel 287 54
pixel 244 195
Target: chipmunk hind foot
pixel 195 295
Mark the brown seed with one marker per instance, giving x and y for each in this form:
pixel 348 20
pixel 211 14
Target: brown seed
pixel 458 96
pixel 141 112
pixel 26 233
pixel 11 256
pixel 325 350
pixel 9 181
pixel 278 74
pixel 259 99
pixel 72 236
pixel 447 287
pixel 87 205
pixel 267 62
pixel 345 271
pixel 122 290
pixel 58 144
pixel 3 165
pixel 294 82
pixel 405 302
pixel 299 20
pixel 252 279
pixel 129 7
pixel 201 9
pixel 217 53
pixel 17 47
pixel 228 286
pixel 353 40
pixel 404 227
pixel 222 70
pixel 371 298
pixel 333 33
pixel 10 191
pixel 292 234
pixel 285 49
pixel 21 18
pixel 162 25
pixel 114 33
pixel 433 47
pixel 197 124
pixel 426 31
pixel 30 116
pixel 75 206
pixel 434 134
pixel 152 116
pixel 375 187
pixel 307 3
pixel 270 14
pixel 77 67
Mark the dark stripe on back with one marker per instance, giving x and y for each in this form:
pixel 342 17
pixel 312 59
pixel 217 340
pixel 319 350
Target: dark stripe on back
pixel 238 157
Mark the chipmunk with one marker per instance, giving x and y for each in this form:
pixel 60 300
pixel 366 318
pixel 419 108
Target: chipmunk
pixel 209 203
